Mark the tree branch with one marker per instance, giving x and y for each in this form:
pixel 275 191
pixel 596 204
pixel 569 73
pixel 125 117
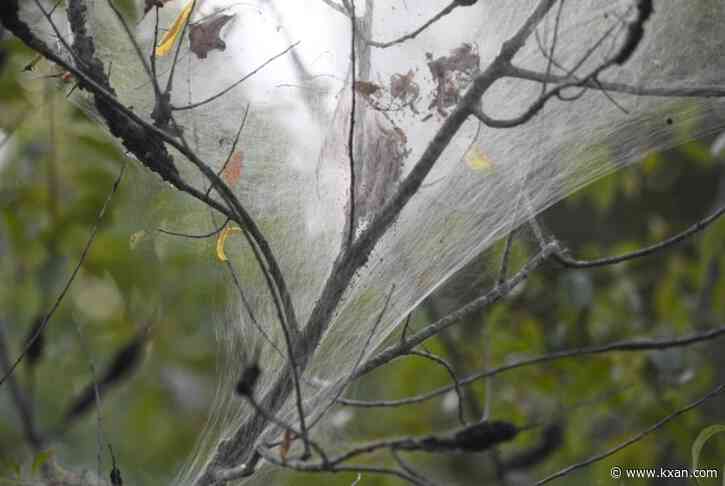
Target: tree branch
pixel 636 345
pixel 494 295
pixel 614 87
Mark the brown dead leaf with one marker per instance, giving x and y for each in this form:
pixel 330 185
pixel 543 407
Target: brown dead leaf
pixel 464 58
pixel 401 135
pixel 451 74
pixel 405 89
pixel 205 36
pixel 233 170
pixel 367 88
pixel 401 84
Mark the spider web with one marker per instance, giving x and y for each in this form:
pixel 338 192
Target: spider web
pixel 295 170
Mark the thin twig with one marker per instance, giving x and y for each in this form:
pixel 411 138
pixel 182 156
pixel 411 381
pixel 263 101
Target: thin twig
pixel 488 383
pixel 458 363
pixel 351 129
pixel 494 295
pixel 221 93
pixel 503 269
pixel 412 35
pixel 250 312
pixel 663 92
pixel 335 7
pixel 452 374
pixel 346 382
pixel 635 438
pixel 170 80
pixel 149 72
pixel 409 469
pixel 196 237
pixel 233 148
pixel 72 277
pixel 61 38
pixel 406 325
pixel 536 107
pixel 96 400
pixel 331 467
pixel 552 49
pixel 567 261
pixel 152 56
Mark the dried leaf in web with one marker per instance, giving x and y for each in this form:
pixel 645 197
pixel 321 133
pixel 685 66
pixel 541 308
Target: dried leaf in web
pixel 233 170
pixel 204 36
pixel 404 89
pixel 222 240
pixel 284 447
pixel 478 160
pixel 366 88
pixel 296 156
pixel 452 73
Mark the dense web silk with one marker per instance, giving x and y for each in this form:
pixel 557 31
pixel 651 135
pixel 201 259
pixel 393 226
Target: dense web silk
pixel 294 176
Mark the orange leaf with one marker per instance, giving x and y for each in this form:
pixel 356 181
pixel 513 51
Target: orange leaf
pixel 286 444
pixel 233 171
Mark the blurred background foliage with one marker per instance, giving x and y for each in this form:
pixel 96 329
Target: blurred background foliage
pixel 57 168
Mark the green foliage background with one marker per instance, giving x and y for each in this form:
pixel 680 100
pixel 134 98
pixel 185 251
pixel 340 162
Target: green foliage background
pixel 58 168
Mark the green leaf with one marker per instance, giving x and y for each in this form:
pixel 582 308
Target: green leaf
pixel 702 438
pixel 40 459
pixel 8 466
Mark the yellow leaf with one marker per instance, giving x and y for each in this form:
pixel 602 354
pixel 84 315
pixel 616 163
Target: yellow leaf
pixel 135 238
pixel 169 39
pixel 477 160
pixel 222 240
